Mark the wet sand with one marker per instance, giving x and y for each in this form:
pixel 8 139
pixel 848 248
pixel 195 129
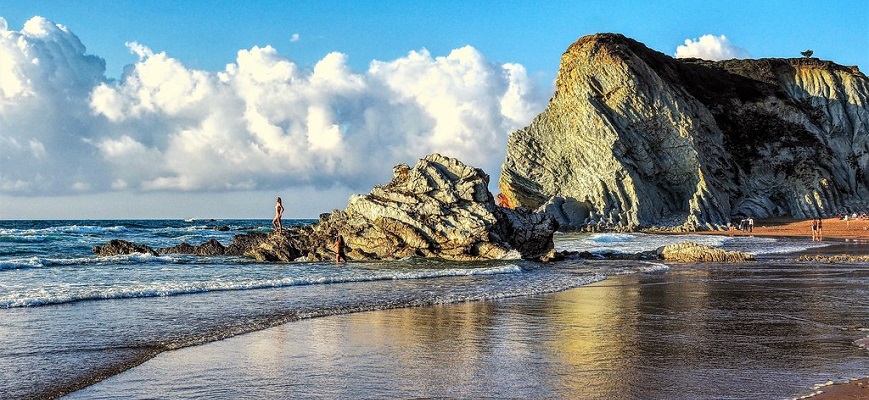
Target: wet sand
pixel 854 235
pixel 853 390
pixel 753 331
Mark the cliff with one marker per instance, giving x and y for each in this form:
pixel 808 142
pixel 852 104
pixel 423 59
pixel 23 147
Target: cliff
pixel 439 208
pixel 633 138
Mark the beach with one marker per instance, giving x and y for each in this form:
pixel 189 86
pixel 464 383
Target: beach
pixel 723 332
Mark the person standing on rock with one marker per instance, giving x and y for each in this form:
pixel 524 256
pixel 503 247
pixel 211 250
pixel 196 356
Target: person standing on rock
pixel 339 250
pixel 276 221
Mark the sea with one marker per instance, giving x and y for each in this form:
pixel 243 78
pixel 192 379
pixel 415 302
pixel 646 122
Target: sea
pixel 177 326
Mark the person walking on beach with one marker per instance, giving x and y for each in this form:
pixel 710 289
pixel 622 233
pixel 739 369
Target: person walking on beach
pixel 820 229
pixel 339 250
pixel 750 224
pixel 814 229
pixel 276 221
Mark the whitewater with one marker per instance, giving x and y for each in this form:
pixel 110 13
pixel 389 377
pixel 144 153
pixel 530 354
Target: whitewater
pixel 70 319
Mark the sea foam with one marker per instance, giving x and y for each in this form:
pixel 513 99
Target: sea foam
pixel 133 289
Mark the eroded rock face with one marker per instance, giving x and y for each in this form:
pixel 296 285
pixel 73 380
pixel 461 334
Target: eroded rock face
pixel 439 208
pixel 633 138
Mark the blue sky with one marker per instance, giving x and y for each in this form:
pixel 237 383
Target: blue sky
pixel 125 155
pixel 207 34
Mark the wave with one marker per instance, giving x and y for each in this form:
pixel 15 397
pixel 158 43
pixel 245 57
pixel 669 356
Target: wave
pixel 135 258
pixel 61 230
pixel 612 237
pixel 181 288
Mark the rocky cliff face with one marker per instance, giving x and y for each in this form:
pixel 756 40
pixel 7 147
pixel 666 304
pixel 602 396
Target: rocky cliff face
pixel 438 208
pixel 633 138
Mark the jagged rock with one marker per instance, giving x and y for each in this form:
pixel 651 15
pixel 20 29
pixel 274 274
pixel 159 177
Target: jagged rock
pixel 633 139
pixel 117 247
pixel 241 243
pixel 439 208
pixel 693 252
pixel 209 248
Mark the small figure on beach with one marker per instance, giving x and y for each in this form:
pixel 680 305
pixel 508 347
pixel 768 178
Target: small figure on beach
pixel 750 224
pixel 820 229
pixel 276 221
pixel 816 229
pixel 339 250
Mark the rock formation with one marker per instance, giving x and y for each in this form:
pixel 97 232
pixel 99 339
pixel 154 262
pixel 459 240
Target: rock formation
pixel 119 247
pixel 693 252
pixel 440 208
pixel 633 138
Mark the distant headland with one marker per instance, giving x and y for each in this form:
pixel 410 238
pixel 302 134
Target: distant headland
pixel 633 139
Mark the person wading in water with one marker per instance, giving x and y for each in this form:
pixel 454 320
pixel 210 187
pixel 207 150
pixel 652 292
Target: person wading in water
pixel 339 250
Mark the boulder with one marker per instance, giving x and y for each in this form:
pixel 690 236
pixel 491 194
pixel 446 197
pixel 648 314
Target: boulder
pixel 117 247
pixel 693 252
pixel 209 248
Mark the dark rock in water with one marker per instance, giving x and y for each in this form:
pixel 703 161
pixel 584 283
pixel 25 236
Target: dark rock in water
pixel 635 139
pixel 117 247
pixel 222 228
pixel 209 248
pixel 241 243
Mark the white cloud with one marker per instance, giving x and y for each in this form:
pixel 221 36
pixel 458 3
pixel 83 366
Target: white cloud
pixel 261 123
pixel 710 47
pixel 295 38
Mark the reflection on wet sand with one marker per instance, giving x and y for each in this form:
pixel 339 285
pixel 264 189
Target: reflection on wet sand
pixel 755 331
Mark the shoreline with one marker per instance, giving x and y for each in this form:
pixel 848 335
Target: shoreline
pixel 852 390
pixel 247 359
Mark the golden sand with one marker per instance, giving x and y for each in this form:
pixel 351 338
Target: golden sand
pixel 832 228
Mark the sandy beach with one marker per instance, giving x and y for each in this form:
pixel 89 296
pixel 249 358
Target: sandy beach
pixel 686 334
pixel 833 229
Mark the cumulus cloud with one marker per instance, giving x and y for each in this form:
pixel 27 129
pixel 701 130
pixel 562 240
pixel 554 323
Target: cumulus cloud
pixel 295 38
pixel 263 122
pixel 710 47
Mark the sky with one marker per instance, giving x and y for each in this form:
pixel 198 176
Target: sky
pixel 211 109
